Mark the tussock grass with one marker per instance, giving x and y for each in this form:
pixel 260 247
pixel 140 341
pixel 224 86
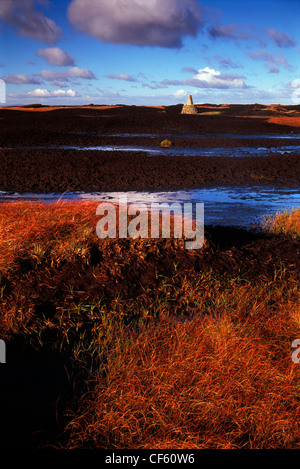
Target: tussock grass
pixel 188 358
pixel 221 377
pixel 287 222
pixel 30 228
pixel 200 383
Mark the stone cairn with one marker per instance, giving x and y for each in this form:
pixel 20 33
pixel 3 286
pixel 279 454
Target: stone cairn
pixel 189 107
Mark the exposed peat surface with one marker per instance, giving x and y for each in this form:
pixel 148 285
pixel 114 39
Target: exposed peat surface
pixel 66 294
pixel 214 159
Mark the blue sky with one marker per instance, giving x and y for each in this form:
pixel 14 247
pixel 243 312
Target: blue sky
pixel 150 52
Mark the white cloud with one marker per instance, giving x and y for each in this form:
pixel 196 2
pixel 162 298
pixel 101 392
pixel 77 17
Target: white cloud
pixel 211 78
pixel 141 22
pixel 39 92
pixel 204 78
pixel 180 94
pixel 56 56
pixel 63 93
pixel 42 93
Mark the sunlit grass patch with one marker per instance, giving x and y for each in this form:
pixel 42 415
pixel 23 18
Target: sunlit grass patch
pixel 198 383
pixel 210 113
pixel 287 222
pixel 31 228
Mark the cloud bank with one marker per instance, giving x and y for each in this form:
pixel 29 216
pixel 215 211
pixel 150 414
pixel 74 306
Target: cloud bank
pixel 21 79
pixel 211 78
pixel 273 63
pixel 138 22
pixel 23 16
pixel 205 78
pixel 42 93
pixel 280 38
pixel 66 75
pixel 121 76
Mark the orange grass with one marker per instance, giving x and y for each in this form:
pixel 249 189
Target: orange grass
pixel 199 360
pixel 284 222
pixel 37 240
pixel 199 383
pixel 26 225
pixel 285 120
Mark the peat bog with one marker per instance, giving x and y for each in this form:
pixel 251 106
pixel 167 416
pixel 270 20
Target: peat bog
pixel 123 343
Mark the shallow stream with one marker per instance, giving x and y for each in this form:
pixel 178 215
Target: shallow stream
pixel 236 206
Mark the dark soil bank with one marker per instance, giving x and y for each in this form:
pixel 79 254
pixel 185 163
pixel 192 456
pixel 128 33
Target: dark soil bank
pixel 71 170
pixel 242 119
pixel 56 170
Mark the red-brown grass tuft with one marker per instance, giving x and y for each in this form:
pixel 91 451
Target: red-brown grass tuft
pixel 201 383
pixel 284 222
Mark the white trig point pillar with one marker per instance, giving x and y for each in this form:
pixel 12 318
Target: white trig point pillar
pixel 189 100
pixel 2 351
pixel 189 107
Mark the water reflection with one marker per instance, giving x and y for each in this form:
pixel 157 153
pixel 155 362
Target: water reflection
pixel 180 151
pixel 290 135
pixel 235 206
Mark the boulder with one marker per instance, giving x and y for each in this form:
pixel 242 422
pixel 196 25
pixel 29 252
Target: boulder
pixel 166 143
